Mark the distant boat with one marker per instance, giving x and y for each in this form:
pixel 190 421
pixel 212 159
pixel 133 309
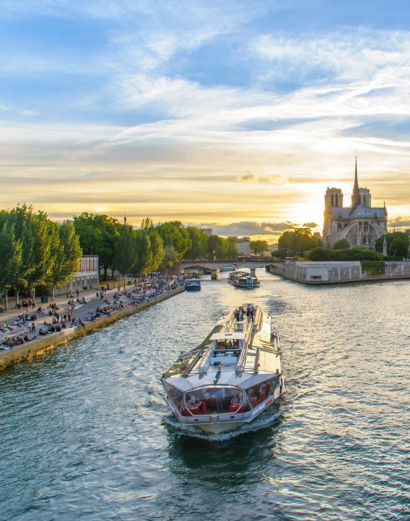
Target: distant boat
pixel 244 280
pixel 193 285
pixel 229 267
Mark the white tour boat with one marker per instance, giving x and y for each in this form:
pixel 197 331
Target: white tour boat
pixel 228 267
pixel 231 377
pixel 240 279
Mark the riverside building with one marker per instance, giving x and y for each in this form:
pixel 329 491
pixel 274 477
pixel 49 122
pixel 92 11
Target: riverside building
pixel 360 224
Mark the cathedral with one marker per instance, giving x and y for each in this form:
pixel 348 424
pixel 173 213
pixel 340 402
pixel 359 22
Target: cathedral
pixel 360 224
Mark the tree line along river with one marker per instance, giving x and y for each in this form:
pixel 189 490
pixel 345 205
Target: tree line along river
pixel 85 433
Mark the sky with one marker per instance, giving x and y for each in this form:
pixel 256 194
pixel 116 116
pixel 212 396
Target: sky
pixel 231 115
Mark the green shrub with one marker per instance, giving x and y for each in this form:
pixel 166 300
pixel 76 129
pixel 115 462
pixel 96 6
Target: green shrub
pixel 374 268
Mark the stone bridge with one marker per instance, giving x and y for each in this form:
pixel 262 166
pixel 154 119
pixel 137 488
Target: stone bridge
pixel 212 266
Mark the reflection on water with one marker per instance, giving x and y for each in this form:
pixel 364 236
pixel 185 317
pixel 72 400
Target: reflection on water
pixel 85 433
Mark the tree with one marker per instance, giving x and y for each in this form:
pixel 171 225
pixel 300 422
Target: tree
pixel 259 247
pixel 199 243
pixel 399 248
pixel 156 246
pixel 341 245
pixel 98 235
pixel 280 253
pixel 357 253
pixel 67 254
pixel 322 254
pixel 174 234
pixel 19 218
pixel 125 251
pixel 171 256
pixel 144 256
pixel 298 241
pixel 216 247
pixel 389 239
pixel 39 251
pixel 10 259
pixel 231 251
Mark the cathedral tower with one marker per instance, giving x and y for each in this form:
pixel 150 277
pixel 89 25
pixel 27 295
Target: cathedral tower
pixel 356 197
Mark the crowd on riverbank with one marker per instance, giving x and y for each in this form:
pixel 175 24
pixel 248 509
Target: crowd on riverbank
pixel 75 312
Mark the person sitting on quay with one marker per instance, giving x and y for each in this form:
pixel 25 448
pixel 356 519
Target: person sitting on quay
pixel 6 326
pixel 81 323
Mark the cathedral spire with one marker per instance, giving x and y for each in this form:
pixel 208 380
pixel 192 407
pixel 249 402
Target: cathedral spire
pixel 356 194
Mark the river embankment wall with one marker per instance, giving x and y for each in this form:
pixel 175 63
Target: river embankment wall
pixel 41 344
pixel 338 272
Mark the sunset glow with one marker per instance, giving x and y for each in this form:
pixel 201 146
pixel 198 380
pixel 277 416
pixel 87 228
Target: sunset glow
pixel 232 115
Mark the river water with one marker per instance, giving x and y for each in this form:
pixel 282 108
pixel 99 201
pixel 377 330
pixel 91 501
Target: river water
pixel 85 434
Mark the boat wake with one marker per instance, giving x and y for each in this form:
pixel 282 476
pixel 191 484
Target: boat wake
pixel 195 432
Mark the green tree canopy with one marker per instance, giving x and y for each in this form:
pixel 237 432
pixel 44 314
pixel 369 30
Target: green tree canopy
pixel 389 239
pixel 125 251
pixel 231 251
pixel 259 247
pixel 156 246
pixel 144 255
pixel 171 256
pixel 341 245
pixel 67 254
pixel 174 234
pixel 199 243
pixel 399 248
pixel 298 241
pixel 356 253
pixel 10 258
pixel 280 253
pixel 98 235
pixel 216 247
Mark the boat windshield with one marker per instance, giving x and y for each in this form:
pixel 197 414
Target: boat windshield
pixel 211 400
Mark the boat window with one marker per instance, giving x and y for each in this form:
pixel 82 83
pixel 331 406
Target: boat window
pixel 174 395
pixel 259 393
pixel 211 400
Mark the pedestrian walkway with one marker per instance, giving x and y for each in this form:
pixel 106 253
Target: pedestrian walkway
pixel 80 311
pixel 19 327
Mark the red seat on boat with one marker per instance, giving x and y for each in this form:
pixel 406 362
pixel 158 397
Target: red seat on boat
pixel 195 410
pixel 254 401
pixel 233 408
pixel 262 396
pixel 185 412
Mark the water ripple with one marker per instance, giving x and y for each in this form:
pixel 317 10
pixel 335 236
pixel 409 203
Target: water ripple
pixel 86 435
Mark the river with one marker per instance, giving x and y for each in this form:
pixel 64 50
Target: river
pixel 85 434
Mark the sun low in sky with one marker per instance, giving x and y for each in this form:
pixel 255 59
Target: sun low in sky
pixel 233 115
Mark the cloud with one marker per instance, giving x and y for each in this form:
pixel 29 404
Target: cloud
pixel 401 221
pixel 310 225
pixel 348 53
pixel 249 228
pixel 248 177
pixel 277 179
pixel 172 94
